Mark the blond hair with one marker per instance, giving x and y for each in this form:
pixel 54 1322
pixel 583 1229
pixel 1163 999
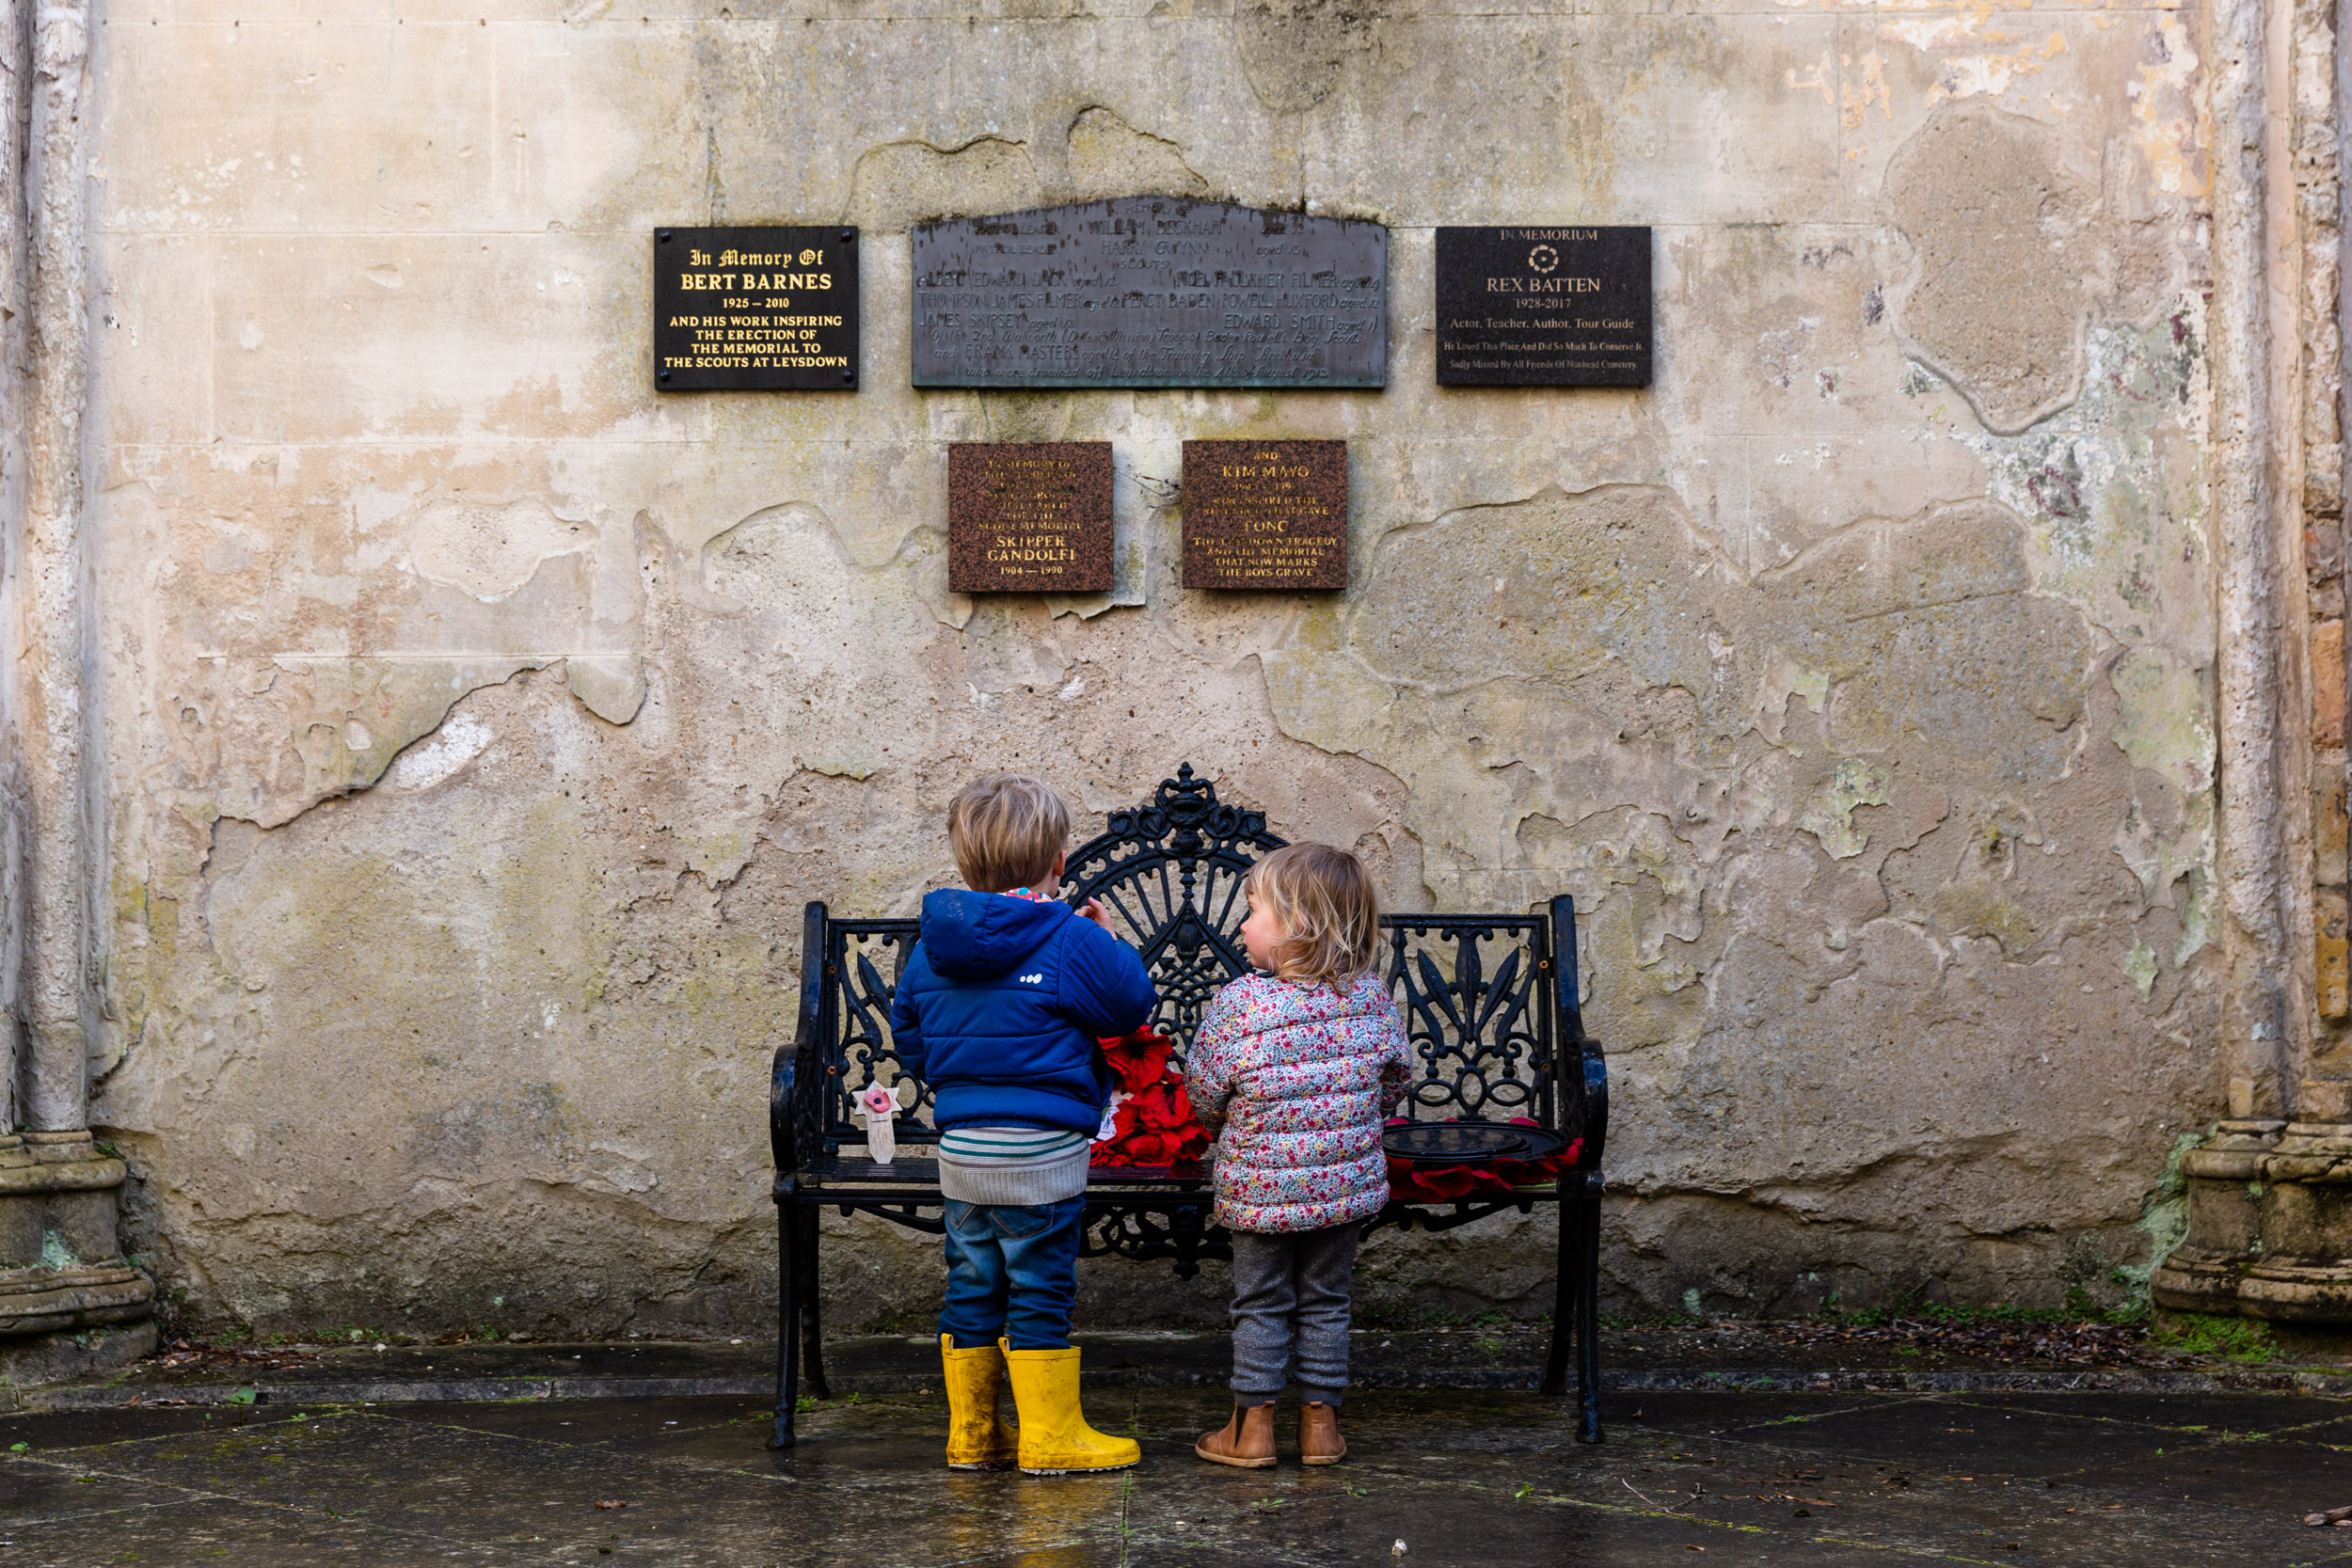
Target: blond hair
pixel 1330 914
pixel 1005 829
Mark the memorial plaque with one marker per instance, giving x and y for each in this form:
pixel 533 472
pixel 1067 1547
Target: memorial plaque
pixel 1150 291
pixel 1265 514
pixel 1544 308
pixel 1029 516
pixel 770 309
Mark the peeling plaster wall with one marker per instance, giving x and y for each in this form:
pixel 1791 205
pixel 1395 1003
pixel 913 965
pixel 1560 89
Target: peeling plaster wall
pixel 479 722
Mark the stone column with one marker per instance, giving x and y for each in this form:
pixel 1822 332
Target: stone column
pixel 2258 895
pixel 2270 1191
pixel 2203 1275
pixel 67 1294
pixel 2302 1271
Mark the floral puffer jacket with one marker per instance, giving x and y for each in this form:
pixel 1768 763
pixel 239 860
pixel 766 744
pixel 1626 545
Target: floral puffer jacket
pixel 1296 1080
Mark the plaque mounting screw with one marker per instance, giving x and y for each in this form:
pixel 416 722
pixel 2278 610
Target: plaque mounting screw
pixel 665 376
pixel 663 236
pixel 849 236
pixel 849 375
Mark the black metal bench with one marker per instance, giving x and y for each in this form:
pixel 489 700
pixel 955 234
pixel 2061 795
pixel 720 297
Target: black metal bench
pixel 1490 1002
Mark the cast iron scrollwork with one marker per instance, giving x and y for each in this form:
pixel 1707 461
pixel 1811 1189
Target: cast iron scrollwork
pixel 1481 1042
pixel 1169 871
pixel 859 997
pixel 1182 1234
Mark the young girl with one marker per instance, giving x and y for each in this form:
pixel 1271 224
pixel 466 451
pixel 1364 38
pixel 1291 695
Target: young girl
pixel 1295 1069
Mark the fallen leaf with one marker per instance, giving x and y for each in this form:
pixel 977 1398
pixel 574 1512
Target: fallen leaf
pixel 612 1505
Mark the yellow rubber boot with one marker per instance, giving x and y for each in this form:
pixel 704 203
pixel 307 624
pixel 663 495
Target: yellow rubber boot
pixel 1055 1438
pixel 978 1438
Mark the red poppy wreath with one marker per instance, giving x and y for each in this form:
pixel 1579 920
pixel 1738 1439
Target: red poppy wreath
pixel 1152 1124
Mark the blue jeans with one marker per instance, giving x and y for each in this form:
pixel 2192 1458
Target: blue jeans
pixel 1011 1272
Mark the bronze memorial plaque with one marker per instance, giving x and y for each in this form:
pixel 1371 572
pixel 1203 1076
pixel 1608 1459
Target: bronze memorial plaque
pixel 1029 516
pixel 1151 291
pixel 1535 307
pixel 1265 514
pixel 764 309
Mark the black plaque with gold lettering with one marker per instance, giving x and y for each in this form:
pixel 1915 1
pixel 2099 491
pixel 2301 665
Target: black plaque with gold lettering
pixel 1542 307
pixel 766 309
pixel 1265 514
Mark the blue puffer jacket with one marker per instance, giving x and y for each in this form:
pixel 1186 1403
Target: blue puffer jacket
pixel 1001 1004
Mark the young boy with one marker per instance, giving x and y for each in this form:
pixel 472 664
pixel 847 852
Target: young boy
pixel 999 1008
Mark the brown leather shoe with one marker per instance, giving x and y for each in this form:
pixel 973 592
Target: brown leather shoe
pixel 1246 1442
pixel 1319 1439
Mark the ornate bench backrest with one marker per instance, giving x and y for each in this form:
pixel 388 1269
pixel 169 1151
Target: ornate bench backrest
pixel 1170 873
pixel 1477 991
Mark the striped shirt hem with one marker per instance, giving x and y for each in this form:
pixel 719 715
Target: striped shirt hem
pixel 1008 1145
pixel 1013 1167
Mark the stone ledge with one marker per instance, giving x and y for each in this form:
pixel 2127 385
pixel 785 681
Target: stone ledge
pixel 89 1174
pixel 1770 1381
pixel 83 1277
pixel 2224 1165
pixel 1727 1355
pixel 2289 1291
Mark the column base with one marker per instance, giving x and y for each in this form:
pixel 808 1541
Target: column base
pixel 35 1359
pixel 71 1304
pixel 2287 1292
pixel 2195 1280
pixel 2224 1177
pixel 2270 1225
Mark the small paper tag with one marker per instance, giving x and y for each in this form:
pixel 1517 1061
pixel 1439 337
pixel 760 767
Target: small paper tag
pixel 1110 1129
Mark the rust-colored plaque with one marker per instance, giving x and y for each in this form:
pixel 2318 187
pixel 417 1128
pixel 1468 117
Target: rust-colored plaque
pixel 1029 516
pixel 1265 514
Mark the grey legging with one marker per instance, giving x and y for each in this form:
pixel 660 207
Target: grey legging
pixel 1292 1285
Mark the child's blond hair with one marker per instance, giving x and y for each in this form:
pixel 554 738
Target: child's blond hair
pixel 1005 829
pixel 1328 910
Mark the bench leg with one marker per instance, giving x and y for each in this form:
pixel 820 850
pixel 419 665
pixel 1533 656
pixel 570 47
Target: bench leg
pixel 1564 1301
pixel 812 1337
pixel 787 1322
pixel 1588 1320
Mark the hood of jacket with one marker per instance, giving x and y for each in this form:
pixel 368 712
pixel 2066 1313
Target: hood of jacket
pixel 979 936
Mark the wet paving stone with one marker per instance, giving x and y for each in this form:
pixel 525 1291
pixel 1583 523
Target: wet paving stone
pixel 2247 1473
pixel 1484 1478
pixel 84 1427
pixel 586 1421
pixel 1678 1411
pixel 2230 1414
pixel 39 1491
pixel 225 1530
pixel 1948 1439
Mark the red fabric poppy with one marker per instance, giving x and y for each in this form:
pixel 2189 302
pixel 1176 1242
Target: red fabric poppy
pixel 1411 1183
pixel 1154 1125
pixel 1140 1059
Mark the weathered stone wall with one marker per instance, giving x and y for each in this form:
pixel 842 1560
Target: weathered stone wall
pixel 477 722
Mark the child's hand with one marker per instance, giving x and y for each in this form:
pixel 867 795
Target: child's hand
pixel 1095 912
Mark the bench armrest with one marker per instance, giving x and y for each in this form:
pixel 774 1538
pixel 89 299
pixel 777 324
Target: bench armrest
pixel 794 1077
pixel 1582 1070
pixel 1594 1068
